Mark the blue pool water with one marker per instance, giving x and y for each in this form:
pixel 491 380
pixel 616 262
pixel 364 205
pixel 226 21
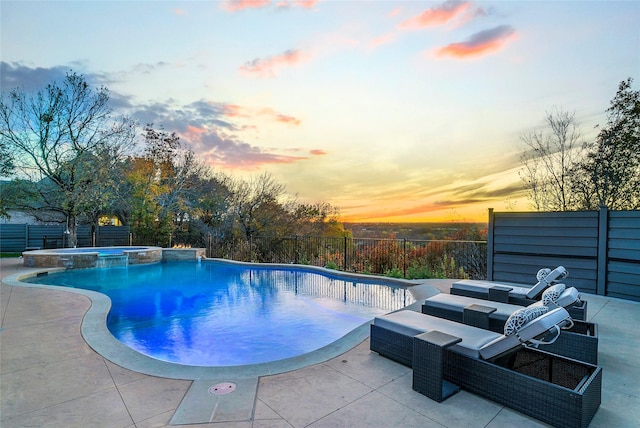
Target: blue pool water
pixel 222 314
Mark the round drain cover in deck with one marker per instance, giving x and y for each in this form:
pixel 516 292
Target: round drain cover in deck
pixel 222 388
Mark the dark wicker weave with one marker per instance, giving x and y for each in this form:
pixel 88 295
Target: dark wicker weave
pixel 429 380
pixel 557 390
pixel 477 315
pixel 500 294
pixel 580 342
pixel 392 345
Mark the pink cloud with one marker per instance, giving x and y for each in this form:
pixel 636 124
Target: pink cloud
pixel 317 152
pixel 279 117
pixel 253 160
pixel 382 40
pixel 236 5
pixel 221 150
pixel 437 15
pixel 307 4
pixel 265 67
pixel 234 110
pixel 289 120
pixel 195 131
pixel 479 43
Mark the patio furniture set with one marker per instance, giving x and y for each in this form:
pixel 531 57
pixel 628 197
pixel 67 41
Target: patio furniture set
pixel 527 348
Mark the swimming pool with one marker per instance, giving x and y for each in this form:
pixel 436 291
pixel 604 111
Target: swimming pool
pixel 218 313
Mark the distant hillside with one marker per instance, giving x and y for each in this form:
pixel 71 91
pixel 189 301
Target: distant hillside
pixel 420 231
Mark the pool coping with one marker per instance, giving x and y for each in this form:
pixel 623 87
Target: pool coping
pixel 96 334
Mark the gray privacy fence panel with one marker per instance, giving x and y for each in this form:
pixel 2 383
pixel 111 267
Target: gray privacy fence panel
pixel 13 237
pixel 600 249
pixel 53 235
pixel 110 236
pixel 623 255
pixel 16 238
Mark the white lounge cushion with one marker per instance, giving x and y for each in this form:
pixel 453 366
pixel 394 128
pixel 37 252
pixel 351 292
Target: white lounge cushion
pixel 549 321
pixel 522 317
pixel 517 290
pixel 545 279
pixel 455 302
pixel 411 323
pixel 475 341
pixel 567 297
pixel 503 310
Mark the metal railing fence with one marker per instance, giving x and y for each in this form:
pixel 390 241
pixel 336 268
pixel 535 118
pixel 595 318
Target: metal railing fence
pixel 401 258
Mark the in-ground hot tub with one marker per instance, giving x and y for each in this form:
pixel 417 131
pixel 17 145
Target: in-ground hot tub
pixel 91 257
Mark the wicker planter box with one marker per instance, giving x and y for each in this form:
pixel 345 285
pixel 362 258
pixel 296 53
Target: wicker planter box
pixel 559 391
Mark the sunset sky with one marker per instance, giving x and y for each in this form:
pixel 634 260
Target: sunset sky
pixel 393 111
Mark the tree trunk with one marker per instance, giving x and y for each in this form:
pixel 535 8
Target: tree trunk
pixel 72 237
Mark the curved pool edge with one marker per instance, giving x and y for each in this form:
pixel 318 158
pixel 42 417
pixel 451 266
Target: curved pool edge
pixel 95 333
pixel 320 270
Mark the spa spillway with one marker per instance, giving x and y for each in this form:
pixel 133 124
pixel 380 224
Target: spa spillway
pixel 91 257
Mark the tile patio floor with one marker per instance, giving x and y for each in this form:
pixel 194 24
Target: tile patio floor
pixel 49 377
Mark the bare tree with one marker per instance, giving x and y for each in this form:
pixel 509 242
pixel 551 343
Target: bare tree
pixel 256 204
pixel 59 138
pixel 548 160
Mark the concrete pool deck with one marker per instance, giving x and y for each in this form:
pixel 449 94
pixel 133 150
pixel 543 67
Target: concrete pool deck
pixel 50 377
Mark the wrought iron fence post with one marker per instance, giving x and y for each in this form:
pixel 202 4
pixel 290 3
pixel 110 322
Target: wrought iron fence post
pixel 404 257
pixel 295 248
pixel 344 259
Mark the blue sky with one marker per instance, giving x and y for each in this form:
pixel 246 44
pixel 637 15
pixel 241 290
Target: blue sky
pixel 389 110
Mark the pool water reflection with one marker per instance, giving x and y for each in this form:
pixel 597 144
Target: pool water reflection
pixel 225 314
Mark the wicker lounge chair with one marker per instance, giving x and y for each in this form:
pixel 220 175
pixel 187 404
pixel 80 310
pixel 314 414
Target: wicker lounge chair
pixel 446 356
pixel 517 294
pixel 580 342
pixel 481 289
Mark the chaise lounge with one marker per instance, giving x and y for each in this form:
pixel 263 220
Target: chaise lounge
pixel 580 342
pixel 446 356
pixel 516 294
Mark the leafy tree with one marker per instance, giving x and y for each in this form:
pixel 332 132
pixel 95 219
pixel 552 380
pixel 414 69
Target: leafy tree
pixel 548 159
pixel 318 219
pixel 164 186
pixel 610 173
pixel 213 204
pixel 58 139
pixel 6 159
pixel 255 205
